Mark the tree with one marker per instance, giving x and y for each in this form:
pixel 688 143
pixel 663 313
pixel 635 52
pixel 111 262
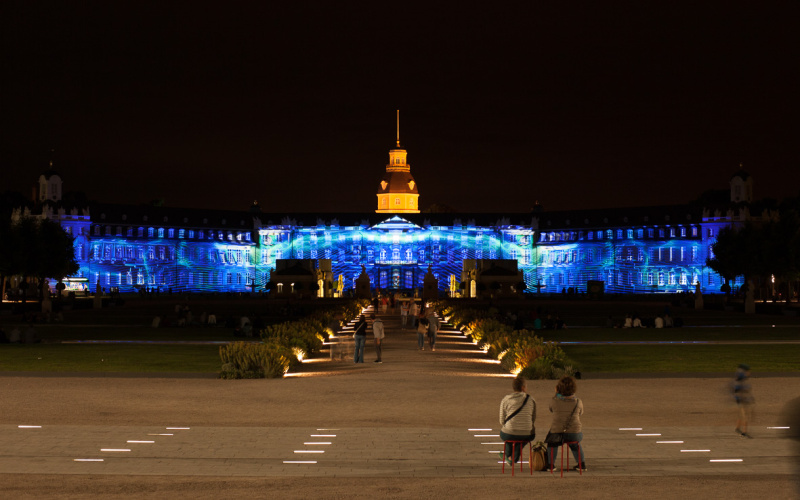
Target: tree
pixel 38 249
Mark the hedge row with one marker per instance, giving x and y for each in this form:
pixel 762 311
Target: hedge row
pixel 519 351
pixel 285 344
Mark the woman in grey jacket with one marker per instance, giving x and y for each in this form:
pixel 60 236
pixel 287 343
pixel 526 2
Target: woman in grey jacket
pixel 517 418
pixel 567 410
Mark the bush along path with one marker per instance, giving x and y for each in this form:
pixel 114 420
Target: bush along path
pixel 519 351
pixel 285 345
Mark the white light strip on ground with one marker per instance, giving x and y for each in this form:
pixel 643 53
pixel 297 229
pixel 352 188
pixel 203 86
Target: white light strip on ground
pixel 161 434
pixel 787 427
pixel 495 451
pixel 29 426
pixel 669 442
pixel 648 435
pixel 328 429
pixel 88 460
pixel 479 430
pixel 630 428
pixel 141 442
pixel 487 435
pixel 178 428
pixel 115 449
pixel 695 451
pixel 493 443
pixel 323 435
pixel 520 462
pixel 727 460
pixel 299 461
pixel 318 442
pixel 309 451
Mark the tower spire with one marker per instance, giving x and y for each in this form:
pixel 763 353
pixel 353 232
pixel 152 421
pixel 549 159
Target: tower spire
pixel 398 128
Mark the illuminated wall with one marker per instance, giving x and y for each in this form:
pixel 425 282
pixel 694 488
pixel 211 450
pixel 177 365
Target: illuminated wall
pixel 653 259
pixel 131 258
pixel 396 254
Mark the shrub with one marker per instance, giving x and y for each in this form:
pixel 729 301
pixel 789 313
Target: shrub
pixel 250 360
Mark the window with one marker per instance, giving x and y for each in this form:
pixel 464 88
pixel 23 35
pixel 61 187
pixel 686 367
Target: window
pixel 672 232
pixel 650 232
pixel 683 232
pixel 97 230
pixel 150 232
pixel 397 201
pixel 161 232
pixel 711 232
pixel 630 234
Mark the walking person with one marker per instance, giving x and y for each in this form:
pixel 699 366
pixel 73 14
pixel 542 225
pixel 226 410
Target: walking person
pixel 404 308
pixel 567 410
pixel 414 312
pixel 422 330
pixel 433 328
pixel 360 337
pixel 743 395
pixel 377 330
pixel 517 418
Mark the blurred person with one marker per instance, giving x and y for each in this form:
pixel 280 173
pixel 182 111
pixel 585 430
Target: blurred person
pixel 378 332
pixel 743 395
pixel 422 330
pixel 360 337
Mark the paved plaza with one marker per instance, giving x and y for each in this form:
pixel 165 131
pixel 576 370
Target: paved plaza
pixel 421 424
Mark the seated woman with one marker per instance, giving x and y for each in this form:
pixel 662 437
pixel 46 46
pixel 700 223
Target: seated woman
pixel 517 417
pixel 567 411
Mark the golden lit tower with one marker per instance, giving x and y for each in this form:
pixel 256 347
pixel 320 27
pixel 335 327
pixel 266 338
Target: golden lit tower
pixel 398 191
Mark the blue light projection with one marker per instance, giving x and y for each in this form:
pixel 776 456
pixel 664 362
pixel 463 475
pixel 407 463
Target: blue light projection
pixel 396 255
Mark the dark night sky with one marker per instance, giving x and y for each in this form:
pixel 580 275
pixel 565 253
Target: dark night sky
pixel 592 105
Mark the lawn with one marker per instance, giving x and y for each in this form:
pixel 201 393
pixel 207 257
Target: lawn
pixel 110 358
pixel 711 333
pixel 684 358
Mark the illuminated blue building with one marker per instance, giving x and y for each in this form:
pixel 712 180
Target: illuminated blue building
pixel 637 250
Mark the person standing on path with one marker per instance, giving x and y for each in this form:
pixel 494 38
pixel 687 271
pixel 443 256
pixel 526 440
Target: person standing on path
pixel 361 339
pixel 433 328
pixel 404 314
pixel 414 311
pixel 422 330
pixel 377 330
pixel 517 418
pixel 743 395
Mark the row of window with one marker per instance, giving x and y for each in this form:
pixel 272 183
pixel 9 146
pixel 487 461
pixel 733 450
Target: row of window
pixel 139 277
pixel 161 232
pixel 626 278
pixel 619 234
pixel 133 253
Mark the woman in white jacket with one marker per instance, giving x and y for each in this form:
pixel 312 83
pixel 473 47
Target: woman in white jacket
pixel 517 418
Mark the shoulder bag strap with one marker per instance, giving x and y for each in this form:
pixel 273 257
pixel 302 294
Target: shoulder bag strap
pixel 566 424
pixel 517 410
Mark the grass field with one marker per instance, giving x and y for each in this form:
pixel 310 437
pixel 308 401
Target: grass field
pixel 131 322
pixel 684 358
pixel 110 358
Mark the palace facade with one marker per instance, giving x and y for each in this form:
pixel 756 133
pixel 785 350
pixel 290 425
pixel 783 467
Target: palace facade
pixel 637 250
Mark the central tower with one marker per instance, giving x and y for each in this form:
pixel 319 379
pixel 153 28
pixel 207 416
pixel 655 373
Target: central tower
pixel 398 191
